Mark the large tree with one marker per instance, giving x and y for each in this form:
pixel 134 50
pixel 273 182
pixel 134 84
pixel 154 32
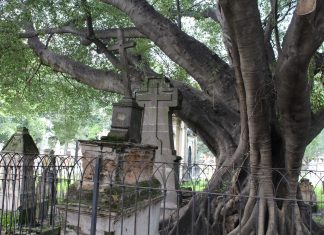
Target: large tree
pixel 252 109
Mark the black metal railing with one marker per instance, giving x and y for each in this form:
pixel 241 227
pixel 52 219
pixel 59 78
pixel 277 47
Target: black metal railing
pixel 48 194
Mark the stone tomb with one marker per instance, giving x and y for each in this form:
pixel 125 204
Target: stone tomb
pixel 124 163
pixel 129 197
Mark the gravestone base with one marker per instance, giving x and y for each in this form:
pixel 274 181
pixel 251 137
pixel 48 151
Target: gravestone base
pixel 27 230
pixel 126 122
pixel 168 175
pixel 126 163
pixel 142 219
pixel 129 197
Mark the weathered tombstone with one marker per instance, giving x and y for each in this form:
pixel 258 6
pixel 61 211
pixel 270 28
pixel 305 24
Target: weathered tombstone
pixel 113 167
pixel 157 98
pixel 19 155
pixel 308 193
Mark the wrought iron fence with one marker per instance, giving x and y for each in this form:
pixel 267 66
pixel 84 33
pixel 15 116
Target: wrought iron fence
pixel 48 194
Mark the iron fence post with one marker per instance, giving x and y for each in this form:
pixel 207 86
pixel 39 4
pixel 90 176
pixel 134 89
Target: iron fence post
pixel 53 187
pixel 95 194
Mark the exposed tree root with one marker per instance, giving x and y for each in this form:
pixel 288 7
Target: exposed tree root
pixel 254 213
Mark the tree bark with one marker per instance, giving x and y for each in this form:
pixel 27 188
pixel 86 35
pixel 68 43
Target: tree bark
pixel 96 78
pixel 274 140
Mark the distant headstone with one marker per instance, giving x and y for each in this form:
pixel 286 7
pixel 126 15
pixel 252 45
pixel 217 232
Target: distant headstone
pixel 308 193
pixel 20 152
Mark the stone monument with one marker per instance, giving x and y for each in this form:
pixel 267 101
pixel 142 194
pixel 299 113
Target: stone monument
pixel 128 197
pixel 127 115
pixel 120 194
pixel 157 97
pixel 19 155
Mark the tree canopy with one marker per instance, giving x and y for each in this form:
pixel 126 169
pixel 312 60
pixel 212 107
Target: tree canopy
pixel 53 103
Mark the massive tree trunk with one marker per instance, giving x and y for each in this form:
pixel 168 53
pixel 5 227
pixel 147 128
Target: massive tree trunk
pixel 277 118
pixel 253 114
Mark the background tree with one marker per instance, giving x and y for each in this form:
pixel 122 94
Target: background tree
pixel 53 104
pixel 252 109
pixel 314 149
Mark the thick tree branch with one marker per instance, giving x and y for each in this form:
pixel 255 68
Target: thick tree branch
pixel 98 79
pixel 217 15
pixel 70 29
pixel 274 6
pixel 211 13
pixel 213 75
pixel 92 38
pixel 231 45
pixel 267 41
pixel 209 120
pixel 304 35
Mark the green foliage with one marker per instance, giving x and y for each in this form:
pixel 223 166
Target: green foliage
pixel 319 192
pixel 317 84
pixel 318 219
pixel 317 94
pixel 195 185
pixel 202 150
pixel 315 148
pixel 209 33
pixel 9 125
pixel 8 220
pixel 31 94
pixel 72 107
pixel 30 91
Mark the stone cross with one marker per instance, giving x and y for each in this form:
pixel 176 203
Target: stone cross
pixel 127 115
pixel 157 98
pixel 121 46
